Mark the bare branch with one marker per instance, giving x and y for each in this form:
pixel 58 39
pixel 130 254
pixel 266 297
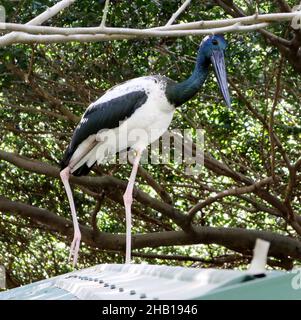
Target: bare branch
pixel 298 164
pixel 271 121
pixel 245 20
pixel 284 5
pixel 105 13
pixel 30 33
pixel 193 26
pixel 178 12
pixel 105 182
pixel 227 193
pixel 239 240
pixel 108 34
pixel 155 185
pixel 261 118
pixel 46 15
pixel 95 212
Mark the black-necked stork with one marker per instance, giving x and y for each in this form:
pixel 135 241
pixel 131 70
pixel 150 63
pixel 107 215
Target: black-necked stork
pixel 146 103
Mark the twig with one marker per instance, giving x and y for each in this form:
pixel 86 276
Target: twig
pixel 261 118
pixel 227 193
pixel 284 6
pixel 155 185
pixel 252 19
pixel 298 164
pixel 178 12
pixel 271 121
pixel 46 15
pixel 105 13
pixel 96 210
pixel 30 66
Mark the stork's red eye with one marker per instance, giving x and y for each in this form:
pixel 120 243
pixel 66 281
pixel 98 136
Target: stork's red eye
pixel 215 42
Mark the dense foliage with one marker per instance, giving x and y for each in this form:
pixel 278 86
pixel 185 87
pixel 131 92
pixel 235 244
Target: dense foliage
pixel 45 89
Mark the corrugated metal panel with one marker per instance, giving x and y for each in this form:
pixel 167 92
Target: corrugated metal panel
pixel 42 290
pixel 127 282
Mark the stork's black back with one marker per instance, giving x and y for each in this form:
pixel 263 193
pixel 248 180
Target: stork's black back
pixel 99 116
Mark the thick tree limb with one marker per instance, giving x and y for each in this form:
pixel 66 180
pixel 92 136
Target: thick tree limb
pixel 240 240
pixel 109 34
pixel 109 182
pixel 32 33
pixel 204 26
pixel 106 182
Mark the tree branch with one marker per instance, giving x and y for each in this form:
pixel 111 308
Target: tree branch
pixel 203 25
pixel 284 6
pixel 271 120
pixel 227 193
pixel 155 185
pixel 105 13
pixel 178 12
pixel 30 33
pixel 109 34
pixel 46 15
pixel 105 182
pixel 239 240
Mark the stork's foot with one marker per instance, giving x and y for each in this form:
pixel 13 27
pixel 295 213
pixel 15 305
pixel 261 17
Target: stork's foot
pixel 75 247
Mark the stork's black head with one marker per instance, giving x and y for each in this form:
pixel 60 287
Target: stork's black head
pixel 213 47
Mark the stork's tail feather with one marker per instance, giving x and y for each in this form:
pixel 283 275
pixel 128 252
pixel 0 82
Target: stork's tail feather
pixel 82 171
pixel 66 158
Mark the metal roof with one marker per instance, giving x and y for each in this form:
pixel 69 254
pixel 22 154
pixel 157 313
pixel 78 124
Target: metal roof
pixel 133 281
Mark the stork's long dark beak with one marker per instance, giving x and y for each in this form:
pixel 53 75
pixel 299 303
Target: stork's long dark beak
pixel 218 61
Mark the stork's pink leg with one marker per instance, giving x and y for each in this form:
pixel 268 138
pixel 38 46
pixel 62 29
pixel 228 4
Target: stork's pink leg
pixel 65 173
pixel 128 199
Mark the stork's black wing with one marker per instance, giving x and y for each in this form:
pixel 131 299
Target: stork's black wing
pixel 106 115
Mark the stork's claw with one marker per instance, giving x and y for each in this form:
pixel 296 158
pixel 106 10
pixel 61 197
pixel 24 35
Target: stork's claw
pixel 75 247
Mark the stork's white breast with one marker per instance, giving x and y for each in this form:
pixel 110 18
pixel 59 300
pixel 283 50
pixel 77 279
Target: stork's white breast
pixel 142 128
pixel 150 120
